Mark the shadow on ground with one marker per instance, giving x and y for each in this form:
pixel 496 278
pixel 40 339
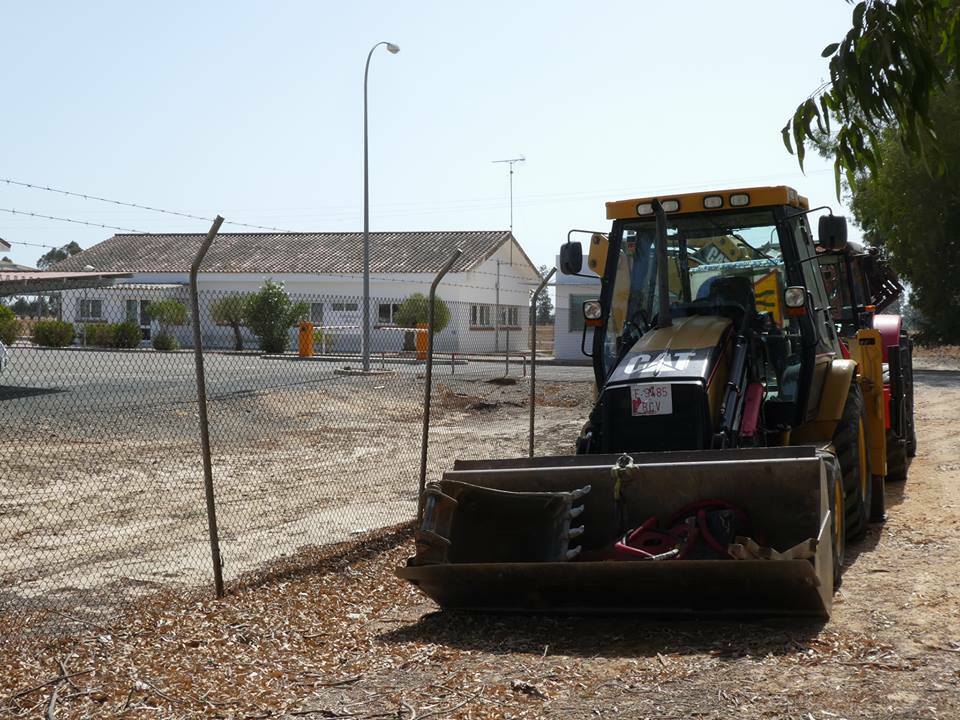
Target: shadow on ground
pixel 12 392
pixel 607 636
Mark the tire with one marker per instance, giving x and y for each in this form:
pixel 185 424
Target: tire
pixel 849 444
pixel 911 427
pixel 878 499
pixel 837 524
pixel 896 458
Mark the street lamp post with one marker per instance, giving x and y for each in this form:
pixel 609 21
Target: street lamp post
pixel 366 213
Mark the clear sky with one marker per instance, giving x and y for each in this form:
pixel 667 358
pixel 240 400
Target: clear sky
pixel 254 110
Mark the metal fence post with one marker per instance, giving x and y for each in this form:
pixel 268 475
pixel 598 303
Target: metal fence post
pixel 202 408
pixel 533 351
pixel 428 381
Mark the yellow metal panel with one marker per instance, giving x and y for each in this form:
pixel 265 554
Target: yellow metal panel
pixel 693 202
pixel 767 292
pixel 836 385
pixel 867 350
pixel 687 333
pixel 597 258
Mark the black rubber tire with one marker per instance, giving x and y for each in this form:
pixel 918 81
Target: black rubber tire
pixel 878 499
pixel 896 458
pixel 911 427
pixel 846 443
pixel 837 537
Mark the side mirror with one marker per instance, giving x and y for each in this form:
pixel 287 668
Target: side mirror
pixel 571 258
pixel 832 232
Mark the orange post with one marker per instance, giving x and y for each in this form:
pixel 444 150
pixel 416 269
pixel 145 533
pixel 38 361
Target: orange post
pixel 422 341
pixel 306 339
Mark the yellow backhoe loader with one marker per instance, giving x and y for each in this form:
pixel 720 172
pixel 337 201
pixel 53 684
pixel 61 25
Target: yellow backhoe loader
pixel 724 465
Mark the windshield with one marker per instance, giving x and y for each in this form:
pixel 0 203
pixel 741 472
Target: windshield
pixel 705 253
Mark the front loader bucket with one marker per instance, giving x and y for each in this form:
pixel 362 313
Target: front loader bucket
pixel 469 555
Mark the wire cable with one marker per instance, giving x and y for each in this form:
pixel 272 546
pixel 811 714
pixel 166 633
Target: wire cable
pixel 138 206
pixel 71 220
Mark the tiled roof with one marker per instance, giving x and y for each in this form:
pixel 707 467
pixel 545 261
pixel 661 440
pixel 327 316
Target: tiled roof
pixel 390 252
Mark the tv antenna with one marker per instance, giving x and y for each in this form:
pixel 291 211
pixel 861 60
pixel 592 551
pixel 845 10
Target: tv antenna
pixel 511 162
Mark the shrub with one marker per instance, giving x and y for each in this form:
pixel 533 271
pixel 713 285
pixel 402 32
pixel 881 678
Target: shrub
pixel 9 326
pixel 52 333
pixel 127 335
pixel 99 334
pixel 415 310
pixel 229 310
pixel 167 313
pixel 270 313
pixel 165 342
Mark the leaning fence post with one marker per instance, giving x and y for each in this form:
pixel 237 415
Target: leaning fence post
pixel 202 408
pixel 533 351
pixel 428 381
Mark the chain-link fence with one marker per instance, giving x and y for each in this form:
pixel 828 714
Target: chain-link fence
pixel 102 497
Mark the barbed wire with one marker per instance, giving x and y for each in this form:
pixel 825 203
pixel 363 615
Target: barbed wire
pixel 138 206
pixel 71 220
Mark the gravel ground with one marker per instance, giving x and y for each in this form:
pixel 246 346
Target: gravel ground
pixel 332 633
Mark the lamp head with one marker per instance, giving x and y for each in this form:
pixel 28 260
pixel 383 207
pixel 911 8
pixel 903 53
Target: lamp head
pixel 393 48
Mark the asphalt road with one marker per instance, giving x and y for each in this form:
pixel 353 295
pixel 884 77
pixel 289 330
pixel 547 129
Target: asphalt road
pixel 118 392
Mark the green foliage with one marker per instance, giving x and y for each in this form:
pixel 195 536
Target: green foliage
pixel 230 311
pixel 270 313
pixel 99 334
pixel 883 74
pixel 9 326
pixel 415 310
pixel 53 333
pixel 38 307
pixel 127 334
pixel 545 311
pixel 915 216
pixel 167 312
pixel 56 255
pixel 165 342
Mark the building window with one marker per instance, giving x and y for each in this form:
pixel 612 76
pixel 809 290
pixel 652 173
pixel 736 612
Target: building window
pixel 480 316
pixel 509 316
pixel 344 307
pixel 316 313
pixel 91 310
pixel 386 313
pixel 575 323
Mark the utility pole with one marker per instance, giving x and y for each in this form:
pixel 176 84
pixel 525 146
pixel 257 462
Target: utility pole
pixel 496 318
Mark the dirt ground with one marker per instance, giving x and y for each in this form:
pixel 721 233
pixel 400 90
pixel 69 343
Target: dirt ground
pixel 98 506
pixel 336 635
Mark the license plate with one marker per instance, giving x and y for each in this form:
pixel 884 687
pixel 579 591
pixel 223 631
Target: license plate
pixel 651 399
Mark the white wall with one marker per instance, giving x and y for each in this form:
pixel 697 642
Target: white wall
pixel 458 290
pixel 566 341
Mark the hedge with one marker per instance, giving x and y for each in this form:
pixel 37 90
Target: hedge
pixel 52 333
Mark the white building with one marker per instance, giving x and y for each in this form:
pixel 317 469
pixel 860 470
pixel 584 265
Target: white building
pixel 571 292
pixel 325 271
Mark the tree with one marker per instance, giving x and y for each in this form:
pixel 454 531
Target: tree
pixel 270 313
pixel 544 302
pixel 57 254
pixel 883 76
pixel 415 310
pixel 167 313
pixel 915 216
pixel 230 310
pixel 9 326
